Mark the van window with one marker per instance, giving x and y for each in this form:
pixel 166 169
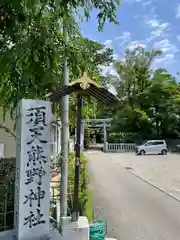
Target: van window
pixel 149 144
pixel 158 143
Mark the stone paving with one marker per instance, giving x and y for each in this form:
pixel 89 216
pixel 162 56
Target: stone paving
pixel 161 171
pixel 134 209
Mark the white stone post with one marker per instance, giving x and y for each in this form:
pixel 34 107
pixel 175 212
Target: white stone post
pixel 105 135
pixel 32 185
pixel 82 135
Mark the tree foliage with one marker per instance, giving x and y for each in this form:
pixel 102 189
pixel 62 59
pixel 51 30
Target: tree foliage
pixel 149 98
pixel 32 45
pixel 32 48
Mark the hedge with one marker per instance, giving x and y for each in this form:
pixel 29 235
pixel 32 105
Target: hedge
pixel 85 197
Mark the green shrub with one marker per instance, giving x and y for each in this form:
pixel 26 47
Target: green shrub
pixel 123 137
pixel 85 199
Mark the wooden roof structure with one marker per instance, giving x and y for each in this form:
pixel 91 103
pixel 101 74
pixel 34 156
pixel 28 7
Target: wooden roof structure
pixel 85 86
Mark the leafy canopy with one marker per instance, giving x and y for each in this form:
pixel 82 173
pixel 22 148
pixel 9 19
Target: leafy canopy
pixel 149 106
pixel 32 45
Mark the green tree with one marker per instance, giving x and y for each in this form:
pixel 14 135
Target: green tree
pixel 149 102
pixel 133 78
pixel 161 99
pixel 32 45
pixel 149 98
pixel 134 73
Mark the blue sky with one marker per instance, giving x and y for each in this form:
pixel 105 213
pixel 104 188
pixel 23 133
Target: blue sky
pixel 154 24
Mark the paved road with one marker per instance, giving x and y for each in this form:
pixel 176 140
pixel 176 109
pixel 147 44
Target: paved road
pixel 162 171
pixel 134 209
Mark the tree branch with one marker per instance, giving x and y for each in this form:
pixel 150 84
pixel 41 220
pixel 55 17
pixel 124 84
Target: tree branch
pixel 7 130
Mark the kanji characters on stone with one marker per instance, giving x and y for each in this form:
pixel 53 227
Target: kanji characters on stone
pixel 35 155
pixel 34 196
pixel 33 220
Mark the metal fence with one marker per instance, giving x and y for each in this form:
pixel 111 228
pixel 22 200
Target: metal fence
pixel 7 204
pixel 7 176
pixel 7 180
pixel 120 147
pixel 7 210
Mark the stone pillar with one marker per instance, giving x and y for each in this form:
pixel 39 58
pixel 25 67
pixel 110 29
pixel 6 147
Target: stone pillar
pixel 32 184
pixel 105 134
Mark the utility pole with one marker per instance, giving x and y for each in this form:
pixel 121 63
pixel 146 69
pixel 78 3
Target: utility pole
pixel 65 134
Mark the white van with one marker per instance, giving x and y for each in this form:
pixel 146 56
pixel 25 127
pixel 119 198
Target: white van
pixel 152 147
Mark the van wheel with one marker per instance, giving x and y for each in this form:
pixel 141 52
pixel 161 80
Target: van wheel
pixel 164 152
pixel 142 152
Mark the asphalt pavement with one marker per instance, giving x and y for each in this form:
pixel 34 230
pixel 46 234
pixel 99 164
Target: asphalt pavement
pixel 134 209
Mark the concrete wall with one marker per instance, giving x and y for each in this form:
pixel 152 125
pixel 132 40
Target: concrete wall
pixel 6 138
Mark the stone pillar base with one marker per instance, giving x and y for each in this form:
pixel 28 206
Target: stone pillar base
pixel 75 230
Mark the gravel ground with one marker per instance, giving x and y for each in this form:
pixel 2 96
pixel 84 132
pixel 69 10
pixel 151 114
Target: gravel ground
pixel 161 171
pixel 134 209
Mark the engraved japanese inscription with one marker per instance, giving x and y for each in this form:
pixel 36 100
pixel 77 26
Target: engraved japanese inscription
pixel 35 136
pixel 35 160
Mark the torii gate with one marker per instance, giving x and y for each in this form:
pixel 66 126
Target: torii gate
pixel 99 123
